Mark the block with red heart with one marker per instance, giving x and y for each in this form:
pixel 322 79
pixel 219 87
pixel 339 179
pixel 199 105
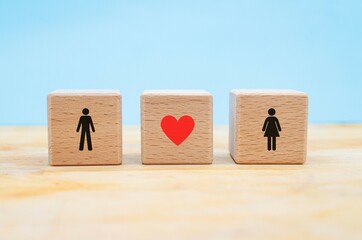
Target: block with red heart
pixel 176 127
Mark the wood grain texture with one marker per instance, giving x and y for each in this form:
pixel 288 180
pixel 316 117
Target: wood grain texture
pixel 319 200
pixel 64 112
pixel 249 111
pixel 157 148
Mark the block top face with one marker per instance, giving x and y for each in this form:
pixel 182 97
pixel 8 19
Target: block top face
pixel 176 93
pixel 267 92
pixel 93 92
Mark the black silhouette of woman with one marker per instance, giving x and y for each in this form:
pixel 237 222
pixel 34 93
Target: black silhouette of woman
pixel 85 122
pixel 271 129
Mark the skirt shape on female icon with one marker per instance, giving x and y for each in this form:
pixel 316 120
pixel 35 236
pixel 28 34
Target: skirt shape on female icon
pixel 271 129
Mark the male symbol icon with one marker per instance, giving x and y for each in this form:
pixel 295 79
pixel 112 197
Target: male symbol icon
pixel 85 122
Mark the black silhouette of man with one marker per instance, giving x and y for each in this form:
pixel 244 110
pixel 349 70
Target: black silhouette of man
pixel 85 122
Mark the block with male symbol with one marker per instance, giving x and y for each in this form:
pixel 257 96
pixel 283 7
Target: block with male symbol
pixel 84 127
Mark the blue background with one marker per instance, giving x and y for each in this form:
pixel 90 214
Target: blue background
pixel 313 46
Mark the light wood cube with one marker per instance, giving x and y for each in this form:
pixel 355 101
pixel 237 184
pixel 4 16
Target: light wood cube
pixel 177 127
pixel 268 126
pixel 85 127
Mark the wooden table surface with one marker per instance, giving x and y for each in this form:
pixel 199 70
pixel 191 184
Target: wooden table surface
pixel 321 199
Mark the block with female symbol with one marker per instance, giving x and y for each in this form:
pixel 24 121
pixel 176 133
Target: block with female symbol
pixel 268 126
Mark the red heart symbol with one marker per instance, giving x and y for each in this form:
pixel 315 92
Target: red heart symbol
pixel 177 131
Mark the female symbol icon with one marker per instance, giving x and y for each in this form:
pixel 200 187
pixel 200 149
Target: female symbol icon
pixel 271 129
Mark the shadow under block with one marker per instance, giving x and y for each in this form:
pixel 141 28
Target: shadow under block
pixel 67 114
pixel 177 127
pixel 249 116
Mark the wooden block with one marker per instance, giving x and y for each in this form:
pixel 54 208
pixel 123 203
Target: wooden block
pixel 177 127
pixel 268 126
pixel 84 127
